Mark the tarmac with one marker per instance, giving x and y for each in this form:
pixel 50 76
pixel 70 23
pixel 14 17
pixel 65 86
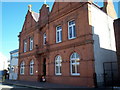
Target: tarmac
pixel 47 85
pixel 38 85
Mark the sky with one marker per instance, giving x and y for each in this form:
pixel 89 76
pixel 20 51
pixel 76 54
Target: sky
pixel 12 16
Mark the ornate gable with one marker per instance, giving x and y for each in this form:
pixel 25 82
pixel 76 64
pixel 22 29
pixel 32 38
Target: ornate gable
pixel 31 19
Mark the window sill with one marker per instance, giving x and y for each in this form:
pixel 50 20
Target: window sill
pixel 58 74
pixel 31 50
pixel 76 74
pixel 59 42
pixel 21 74
pixel 72 38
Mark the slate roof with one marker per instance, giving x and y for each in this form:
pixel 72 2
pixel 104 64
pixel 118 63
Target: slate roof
pixel 35 16
pixel 14 51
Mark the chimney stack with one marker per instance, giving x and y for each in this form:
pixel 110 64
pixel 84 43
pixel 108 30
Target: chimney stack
pixel 109 8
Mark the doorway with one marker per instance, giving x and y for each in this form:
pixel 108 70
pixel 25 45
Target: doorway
pixel 44 67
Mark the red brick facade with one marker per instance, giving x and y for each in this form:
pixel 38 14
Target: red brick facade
pixel 61 14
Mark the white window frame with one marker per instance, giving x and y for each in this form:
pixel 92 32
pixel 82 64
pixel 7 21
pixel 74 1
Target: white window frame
pixel 44 39
pixel 73 31
pixel 31 43
pixel 31 67
pixel 58 63
pixel 22 68
pixel 25 46
pixel 75 63
pixel 59 34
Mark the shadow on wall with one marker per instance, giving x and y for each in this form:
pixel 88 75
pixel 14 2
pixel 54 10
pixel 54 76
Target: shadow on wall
pixel 105 71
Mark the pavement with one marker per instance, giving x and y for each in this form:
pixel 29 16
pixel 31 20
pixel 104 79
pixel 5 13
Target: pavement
pixel 38 85
pixel 47 85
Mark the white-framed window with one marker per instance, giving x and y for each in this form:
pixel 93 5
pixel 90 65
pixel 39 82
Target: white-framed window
pixel 31 43
pixel 44 38
pixel 25 45
pixel 71 30
pixel 74 64
pixel 58 64
pixel 31 67
pixel 22 68
pixel 58 34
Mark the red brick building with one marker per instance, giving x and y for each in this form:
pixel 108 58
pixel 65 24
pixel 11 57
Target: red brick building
pixel 59 44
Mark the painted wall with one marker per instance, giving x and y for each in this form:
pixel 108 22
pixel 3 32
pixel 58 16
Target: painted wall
pixel 104 40
pixel 13 74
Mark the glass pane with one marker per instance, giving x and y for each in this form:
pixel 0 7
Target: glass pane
pixel 74 31
pixel 58 36
pixel 73 55
pixel 73 61
pixel 73 22
pixel 60 69
pixel 70 32
pixel 77 55
pixel 56 62
pixel 60 27
pixel 21 70
pixel 73 68
pixel 57 69
pixel 70 23
pixel 77 68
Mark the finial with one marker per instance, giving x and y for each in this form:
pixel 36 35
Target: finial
pixel 30 8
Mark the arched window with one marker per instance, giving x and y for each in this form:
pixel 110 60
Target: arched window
pixel 22 68
pixel 31 67
pixel 58 64
pixel 74 64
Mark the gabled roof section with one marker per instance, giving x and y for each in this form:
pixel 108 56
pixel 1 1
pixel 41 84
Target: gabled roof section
pixel 34 14
pixel 31 18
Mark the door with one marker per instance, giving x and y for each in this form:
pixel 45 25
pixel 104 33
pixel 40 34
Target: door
pixel 44 67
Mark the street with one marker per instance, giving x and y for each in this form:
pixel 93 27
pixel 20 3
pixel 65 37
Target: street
pixel 13 87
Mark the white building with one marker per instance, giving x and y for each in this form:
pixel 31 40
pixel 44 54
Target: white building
pixel 13 74
pixel 101 22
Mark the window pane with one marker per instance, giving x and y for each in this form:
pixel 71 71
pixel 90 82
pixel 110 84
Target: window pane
pixel 60 70
pixel 73 22
pixel 31 43
pixel 70 32
pixel 73 68
pixel 77 68
pixel 44 38
pixel 56 62
pixel 61 35
pixel 74 31
pixel 73 55
pixel 70 23
pixel 77 55
pixel 57 69
pixel 57 36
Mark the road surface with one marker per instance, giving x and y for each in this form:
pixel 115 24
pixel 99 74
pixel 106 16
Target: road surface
pixel 13 87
